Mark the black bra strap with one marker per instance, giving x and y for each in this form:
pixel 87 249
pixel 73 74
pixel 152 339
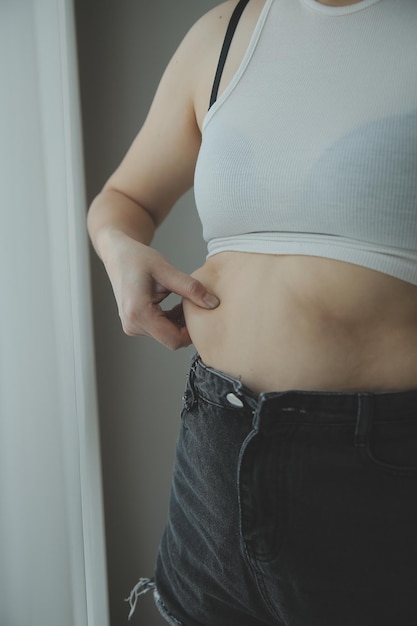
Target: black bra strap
pixel 234 21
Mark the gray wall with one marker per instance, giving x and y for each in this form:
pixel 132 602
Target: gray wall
pixel 123 50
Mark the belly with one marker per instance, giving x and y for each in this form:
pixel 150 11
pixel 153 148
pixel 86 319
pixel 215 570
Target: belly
pixel 294 322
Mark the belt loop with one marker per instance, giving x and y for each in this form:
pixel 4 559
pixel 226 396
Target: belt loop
pixel 189 397
pixel 363 420
pixel 238 387
pixel 193 363
pixel 241 392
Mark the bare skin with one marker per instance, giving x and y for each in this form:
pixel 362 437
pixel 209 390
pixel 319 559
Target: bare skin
pixel 284 322
pixel 337 3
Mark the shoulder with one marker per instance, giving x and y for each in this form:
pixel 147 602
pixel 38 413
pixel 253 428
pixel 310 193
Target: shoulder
pixel 201 45
pixel 215 21
pixel 199 52
pixel 206 35
pixel 211 27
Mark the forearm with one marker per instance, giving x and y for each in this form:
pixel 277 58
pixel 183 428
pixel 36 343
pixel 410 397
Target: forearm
pixel 112 217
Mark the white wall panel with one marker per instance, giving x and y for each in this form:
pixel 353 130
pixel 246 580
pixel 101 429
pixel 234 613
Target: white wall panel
pixel 52 564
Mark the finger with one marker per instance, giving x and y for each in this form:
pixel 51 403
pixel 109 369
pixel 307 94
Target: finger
pixel 187 287
pixel 173 334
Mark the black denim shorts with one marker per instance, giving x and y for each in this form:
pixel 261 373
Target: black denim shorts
pixel 290 509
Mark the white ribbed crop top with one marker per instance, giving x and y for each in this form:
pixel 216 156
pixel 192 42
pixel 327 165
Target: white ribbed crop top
pixel 312 148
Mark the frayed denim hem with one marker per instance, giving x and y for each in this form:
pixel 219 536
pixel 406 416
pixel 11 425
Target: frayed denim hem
pixel 143 586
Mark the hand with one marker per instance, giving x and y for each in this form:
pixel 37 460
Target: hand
pixel 142 278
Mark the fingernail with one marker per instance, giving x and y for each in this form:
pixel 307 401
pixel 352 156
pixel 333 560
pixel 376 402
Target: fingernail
pixel 211 301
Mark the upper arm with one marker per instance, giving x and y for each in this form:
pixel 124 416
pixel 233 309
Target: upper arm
pixel 159 166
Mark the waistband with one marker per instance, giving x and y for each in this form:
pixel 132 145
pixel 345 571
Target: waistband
pixel 298 405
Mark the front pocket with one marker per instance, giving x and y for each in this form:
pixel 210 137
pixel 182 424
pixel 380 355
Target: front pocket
pixel 392 447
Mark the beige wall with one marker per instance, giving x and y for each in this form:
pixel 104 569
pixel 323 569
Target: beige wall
pixel 123 49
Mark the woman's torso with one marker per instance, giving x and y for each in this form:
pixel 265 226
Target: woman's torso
pixel 301 322
pixel 294 322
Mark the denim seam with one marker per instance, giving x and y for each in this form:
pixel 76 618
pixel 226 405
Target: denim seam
pixel 249 560
pixel 164 611
pixel 262 590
